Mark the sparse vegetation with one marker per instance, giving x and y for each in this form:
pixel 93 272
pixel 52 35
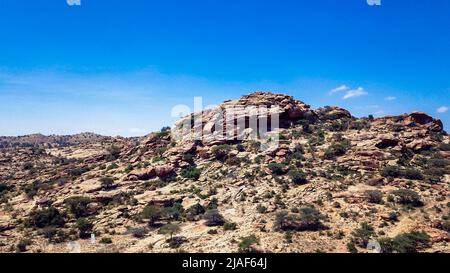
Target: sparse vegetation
pixel 374 196
pixel 220 152
pixel 49 217
pixel 247 243
pixel 362 235
pixel 407 197
pixel 406 242
pixel 78 205
pixel 277 168
pixel 307 219
pixel 191 172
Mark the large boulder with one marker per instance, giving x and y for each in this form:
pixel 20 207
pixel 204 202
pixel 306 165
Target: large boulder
pixel 212 123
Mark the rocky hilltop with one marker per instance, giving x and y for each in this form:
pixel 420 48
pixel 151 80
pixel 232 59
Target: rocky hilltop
pixel 333 183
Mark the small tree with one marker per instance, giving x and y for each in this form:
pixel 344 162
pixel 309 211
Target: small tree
pixel 152 213
pixel 169 229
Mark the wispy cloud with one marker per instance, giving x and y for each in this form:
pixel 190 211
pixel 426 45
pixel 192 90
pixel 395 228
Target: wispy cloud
pixel 349 92
pixel 339 89
pixel 354 93
pixel 390 98
pixel 442 109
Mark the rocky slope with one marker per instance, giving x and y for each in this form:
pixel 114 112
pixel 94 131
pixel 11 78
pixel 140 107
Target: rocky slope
pixel 335 183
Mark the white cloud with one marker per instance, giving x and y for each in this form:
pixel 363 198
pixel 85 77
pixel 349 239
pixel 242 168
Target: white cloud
pixel 355 93
pixel 442 109
pixel 73 2
pixel 390 98
pixel 339 89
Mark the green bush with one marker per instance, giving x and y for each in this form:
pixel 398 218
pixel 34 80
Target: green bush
pixel 27 166
pixel 374 196
pixel 229 226
pixel 221 152
pixel 79 171
pixel 352 248
pixel 307 219
pixel 172 213
pixel 213 218
pixel 261 209
pixel 22 245
pixel 438 163
pixel 107 182
pixel 191 172
pixel 337 149
pixel 3 188
pixel 84 227
pixel 413 174
pixel 298 177
pixel 194 211
pixel 78 205
pixel 277 168
pixel 54 235
pixel 106 241
pixel 247 243
pixel 362 235
pixel 32 189
pixel 408 197
pixel 405 243
pixel 446 226
pixel 49 217
pixel 391 171
pixel 112 166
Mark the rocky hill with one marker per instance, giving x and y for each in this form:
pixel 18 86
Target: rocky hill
pixel 39 140
pixel 332 183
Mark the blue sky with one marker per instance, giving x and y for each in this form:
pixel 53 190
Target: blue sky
pixel 119 67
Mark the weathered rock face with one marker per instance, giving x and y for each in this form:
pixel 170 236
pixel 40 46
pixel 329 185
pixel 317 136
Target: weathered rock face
pixel 146 174
pixel 237 119
pixel 387 141
pixel 416 120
